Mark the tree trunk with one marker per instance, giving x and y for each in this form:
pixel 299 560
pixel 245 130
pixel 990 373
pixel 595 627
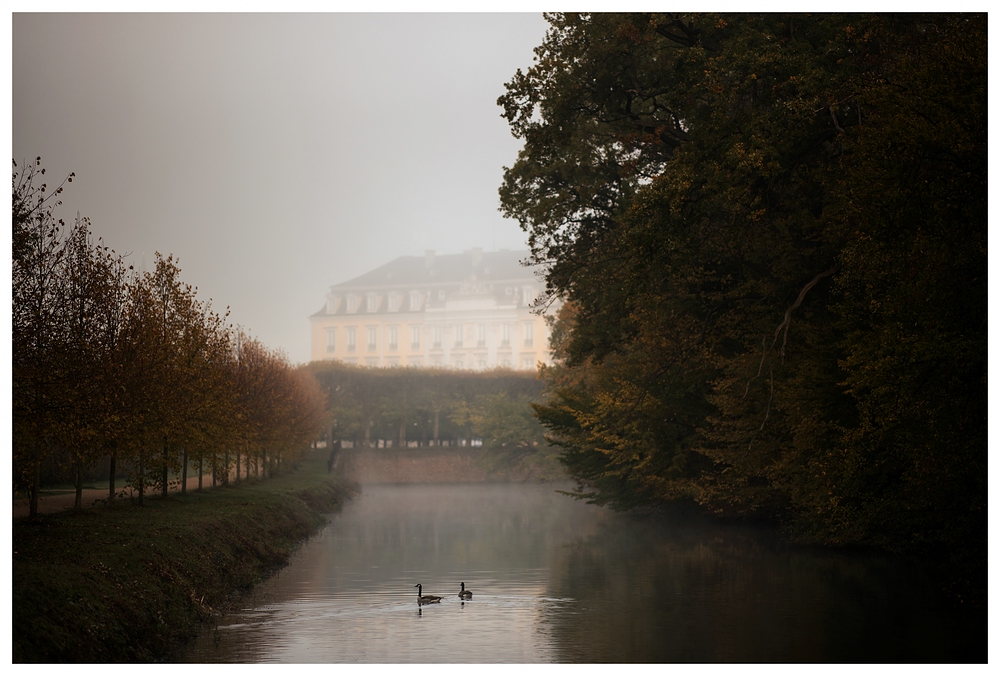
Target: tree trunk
pixel 225 481
pixel 201 469
pixel 164 474
pixel 437 438
pixel 111 482
pixel 78 502
pixel 237 467
pixel 36 480
pixel 142 476
pixel 402 432
pixel 184 470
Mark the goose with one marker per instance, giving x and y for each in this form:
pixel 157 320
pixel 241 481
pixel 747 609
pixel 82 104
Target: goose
pixel 421 599
pixel 464 594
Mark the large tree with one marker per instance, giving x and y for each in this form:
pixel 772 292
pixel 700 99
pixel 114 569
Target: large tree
pixel 769 231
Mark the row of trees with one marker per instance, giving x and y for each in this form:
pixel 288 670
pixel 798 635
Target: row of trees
pixel 110 362
pixel 426 407
pixel 770 234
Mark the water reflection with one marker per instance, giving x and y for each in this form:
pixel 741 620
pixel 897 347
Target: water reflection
pixel 690 590
pixel 555 580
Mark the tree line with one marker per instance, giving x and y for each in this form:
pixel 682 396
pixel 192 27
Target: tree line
pixel 130 366
pixel 403 407
pixel 769 232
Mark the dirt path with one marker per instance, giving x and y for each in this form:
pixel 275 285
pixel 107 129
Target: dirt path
pixel 56 503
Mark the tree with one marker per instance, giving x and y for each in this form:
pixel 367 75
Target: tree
pixel 37 297
pixel 769 232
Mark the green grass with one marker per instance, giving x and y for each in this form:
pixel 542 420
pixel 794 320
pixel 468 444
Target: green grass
pixel 129 584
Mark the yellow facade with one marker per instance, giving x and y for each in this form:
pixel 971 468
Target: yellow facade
pixel 465 311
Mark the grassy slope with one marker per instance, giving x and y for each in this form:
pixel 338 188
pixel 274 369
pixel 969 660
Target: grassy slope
pixel 129 584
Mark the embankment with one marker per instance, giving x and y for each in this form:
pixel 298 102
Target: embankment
pixel 443 465
pixel 130 584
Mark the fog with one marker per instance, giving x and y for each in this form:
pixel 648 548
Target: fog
pixel 273 155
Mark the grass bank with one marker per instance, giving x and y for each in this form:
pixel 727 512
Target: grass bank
pixel 129 584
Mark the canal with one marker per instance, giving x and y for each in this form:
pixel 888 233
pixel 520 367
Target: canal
pixel 557 580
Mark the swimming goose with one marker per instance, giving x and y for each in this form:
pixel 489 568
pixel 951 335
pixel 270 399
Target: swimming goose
pixel 421 599
pixel 464 594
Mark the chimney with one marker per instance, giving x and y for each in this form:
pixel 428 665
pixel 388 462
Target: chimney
pixel 429 258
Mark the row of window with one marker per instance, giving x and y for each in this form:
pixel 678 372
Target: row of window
pixel 479 362
pixel 437 335
pixel 395 300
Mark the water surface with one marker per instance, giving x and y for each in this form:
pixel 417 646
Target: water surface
pixel 557 580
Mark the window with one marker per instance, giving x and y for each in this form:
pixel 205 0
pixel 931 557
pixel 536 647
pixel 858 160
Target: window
pixel 351 360
pixel 372 302
pixel 416 361
pixel 415 298
pixel 441 294
pixel 529 294
pixel 437 338
pixel 393 338
pixel 481 335
pixel 393 301
pixel 528 361
pixel 505 363
pixel 332 303
pixel 436 361
pixel 371 361
pixel 505 335
pixel 482 364
pixel 392 361
pixel 331 340
pixel 352 303
pixel 352 338
pixel 414 336
pixel 372 338
pixel 458 364
pixel 528 332
pixel 458 335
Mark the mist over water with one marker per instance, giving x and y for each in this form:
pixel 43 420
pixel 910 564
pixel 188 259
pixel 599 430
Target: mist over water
pixel 557 580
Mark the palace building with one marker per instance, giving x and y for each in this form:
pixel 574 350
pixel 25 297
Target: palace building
pixel 463 311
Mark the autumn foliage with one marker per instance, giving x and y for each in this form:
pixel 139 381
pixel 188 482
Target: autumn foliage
pixel 110 363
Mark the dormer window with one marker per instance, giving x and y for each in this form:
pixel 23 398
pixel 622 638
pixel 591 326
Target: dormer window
pixel 394 299
pixel 371 302
pixel 352 303
pixel 415 298
pixel 332 304
pixel 528 293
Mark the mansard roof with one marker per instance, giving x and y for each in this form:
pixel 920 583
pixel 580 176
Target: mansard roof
pixel 433 269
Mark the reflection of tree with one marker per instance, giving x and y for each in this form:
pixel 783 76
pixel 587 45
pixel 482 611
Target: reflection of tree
pixel 682 589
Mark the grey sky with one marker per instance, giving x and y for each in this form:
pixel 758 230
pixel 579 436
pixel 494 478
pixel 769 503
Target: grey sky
pixel 274 155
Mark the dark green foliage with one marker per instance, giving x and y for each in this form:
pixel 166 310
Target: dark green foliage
pixel 770 235
pixel 428 407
